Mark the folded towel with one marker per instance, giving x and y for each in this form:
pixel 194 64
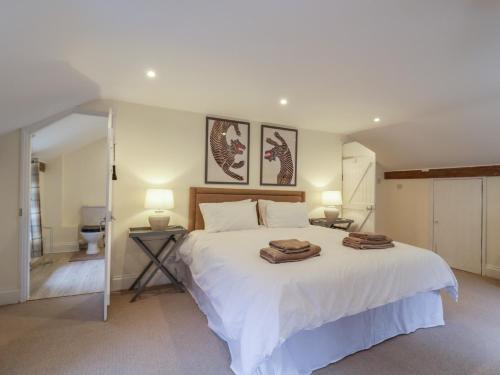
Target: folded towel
pixel 348 241
pixel 290 246
pixel 370 236
pixel 362 241
pixel 273 255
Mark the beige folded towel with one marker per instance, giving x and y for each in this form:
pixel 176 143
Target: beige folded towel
pixel 290 246
pixel 273 255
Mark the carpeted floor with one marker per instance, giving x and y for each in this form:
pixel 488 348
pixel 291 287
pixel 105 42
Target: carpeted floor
pixel 167 334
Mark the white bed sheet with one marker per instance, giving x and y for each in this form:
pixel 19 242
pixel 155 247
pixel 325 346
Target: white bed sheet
pixel 261 305
pixel 309 350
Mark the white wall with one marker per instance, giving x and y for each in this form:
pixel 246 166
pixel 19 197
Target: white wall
pixel 9 219
pixel 166 148
pixel 404 210
pixel 70 181
pixel 157 147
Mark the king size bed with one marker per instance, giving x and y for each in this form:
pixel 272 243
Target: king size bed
pixel 293 318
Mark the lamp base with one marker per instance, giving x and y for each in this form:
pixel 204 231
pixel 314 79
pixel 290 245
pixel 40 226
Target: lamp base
pixel 158 222
pixel 331 214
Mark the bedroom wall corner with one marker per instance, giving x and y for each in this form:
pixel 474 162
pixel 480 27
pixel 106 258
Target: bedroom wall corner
pixel 9 219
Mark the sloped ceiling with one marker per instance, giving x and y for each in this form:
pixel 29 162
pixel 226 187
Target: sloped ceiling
pixel 31 91
pixel 339 63
pixel 68 134
pixel 465 136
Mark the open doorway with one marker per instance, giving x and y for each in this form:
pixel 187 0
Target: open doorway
pixel 67 212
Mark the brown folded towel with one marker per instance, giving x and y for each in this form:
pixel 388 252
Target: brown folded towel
pixel 273 255
pixel 362 241
pixel 348 241
pixel 370 236
pixel 290 246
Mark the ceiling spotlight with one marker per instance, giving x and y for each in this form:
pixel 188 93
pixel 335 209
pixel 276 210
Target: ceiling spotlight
pixel 376 119
pixel 151 74
pixel 283 101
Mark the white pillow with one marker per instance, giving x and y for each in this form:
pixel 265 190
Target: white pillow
pixel 228 216
pixel 262 204
pixel 286 215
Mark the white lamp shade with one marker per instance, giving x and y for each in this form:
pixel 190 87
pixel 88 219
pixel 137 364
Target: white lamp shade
pixel 331 198
pixel 159 199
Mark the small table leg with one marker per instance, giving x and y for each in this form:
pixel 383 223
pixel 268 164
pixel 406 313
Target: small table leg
pixel 171 238
pixel 155 259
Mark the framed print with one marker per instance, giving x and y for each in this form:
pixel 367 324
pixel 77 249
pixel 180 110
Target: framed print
pixel 226 157
pixel 278 156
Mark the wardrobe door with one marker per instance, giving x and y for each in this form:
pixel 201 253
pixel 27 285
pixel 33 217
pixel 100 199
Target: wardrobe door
pixel 458 206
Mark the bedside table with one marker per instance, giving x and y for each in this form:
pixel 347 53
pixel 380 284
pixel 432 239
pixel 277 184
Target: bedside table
pixel 172 237
pixel 339 223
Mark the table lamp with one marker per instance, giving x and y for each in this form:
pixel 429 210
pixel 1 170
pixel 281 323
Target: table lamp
pixel 330 199
pixel 159 200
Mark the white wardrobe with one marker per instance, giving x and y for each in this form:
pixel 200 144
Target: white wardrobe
pixel 466 228
pixel 459 218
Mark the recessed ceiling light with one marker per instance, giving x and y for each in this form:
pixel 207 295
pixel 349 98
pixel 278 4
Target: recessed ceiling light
pixel 151 74
pixel 376 119
pixel 283 101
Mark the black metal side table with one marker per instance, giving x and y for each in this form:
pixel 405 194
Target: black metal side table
pixel 339 223
pixel 171 237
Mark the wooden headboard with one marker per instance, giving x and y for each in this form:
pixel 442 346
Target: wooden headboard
pixel 199 195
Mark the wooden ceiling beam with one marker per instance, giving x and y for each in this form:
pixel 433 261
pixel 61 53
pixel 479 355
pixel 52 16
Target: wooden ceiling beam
pixel 479 171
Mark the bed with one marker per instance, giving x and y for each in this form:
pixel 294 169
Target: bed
pixel 297 317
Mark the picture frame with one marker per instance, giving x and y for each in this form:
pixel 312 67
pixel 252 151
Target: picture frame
pixel 227 145
pixel 278 156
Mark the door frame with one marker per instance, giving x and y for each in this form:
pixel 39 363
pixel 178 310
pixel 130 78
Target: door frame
pixel 110 144
pixel 484 206
pixel 24 194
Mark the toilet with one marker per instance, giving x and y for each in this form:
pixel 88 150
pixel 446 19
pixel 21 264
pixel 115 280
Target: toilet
pixel 92 227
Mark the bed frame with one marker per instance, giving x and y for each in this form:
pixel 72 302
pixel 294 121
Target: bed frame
pixel 199 195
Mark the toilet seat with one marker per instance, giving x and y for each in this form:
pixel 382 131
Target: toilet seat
pixel 92 228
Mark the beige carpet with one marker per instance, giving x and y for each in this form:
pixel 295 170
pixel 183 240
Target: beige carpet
pixel 166 334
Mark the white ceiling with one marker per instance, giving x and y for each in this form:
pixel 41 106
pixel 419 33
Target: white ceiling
pixel 465 136
pixel 339 63
pixel 68 134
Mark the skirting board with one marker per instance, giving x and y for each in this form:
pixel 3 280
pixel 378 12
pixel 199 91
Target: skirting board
pixel 9 297
pixel 63 247
pixel 492 271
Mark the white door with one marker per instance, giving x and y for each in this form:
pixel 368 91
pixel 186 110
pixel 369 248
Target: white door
pixel 109 215
pixel 458 213
pixel 358 186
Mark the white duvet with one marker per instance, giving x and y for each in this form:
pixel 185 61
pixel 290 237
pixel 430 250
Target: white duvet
pixel 261 304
